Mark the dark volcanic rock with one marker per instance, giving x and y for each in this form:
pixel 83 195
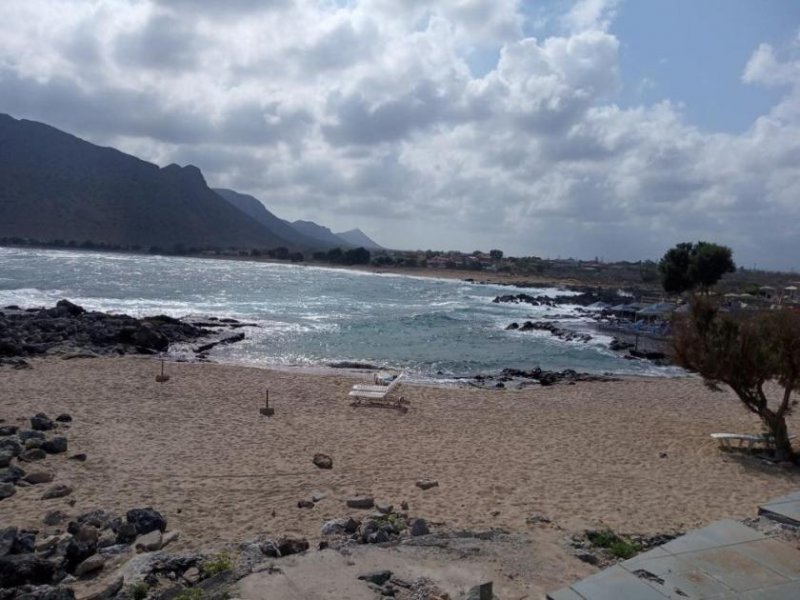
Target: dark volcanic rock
pixel 8 429
pixel 228 340
pixel 55 517
pixel 64 418
pixel 23 541
pixel 57 445
pixel 376 577
pixel 33 454
pixel 11 474
pixel 146 520
pixel 13 447
pixel 543 377
pixel 565 334
pixel 419 527
pixel 323 461
pixel 40 592
pixel 68 327
pixel 584 298
pixel 346 364
pixel 7 490
pixel 77 551
pixel 19 569
pixel 68 308
pixel 41 422
pixel 57 491
pixel 29 434
pixel 284 547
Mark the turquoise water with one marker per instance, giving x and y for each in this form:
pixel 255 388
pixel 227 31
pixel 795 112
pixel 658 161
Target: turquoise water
pixel 310 316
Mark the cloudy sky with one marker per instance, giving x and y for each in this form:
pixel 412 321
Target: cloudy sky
pixel 610 128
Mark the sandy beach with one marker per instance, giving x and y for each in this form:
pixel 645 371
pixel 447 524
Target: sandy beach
pixel 584 455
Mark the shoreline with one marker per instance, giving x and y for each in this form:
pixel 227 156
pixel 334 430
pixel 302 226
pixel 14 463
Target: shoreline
pixel 479 277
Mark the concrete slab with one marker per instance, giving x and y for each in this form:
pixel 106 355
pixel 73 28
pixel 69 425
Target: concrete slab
pixel 789 591
pixel 565 594
pixel 734 569
pixel 615 583
pixel 724 560
pixel 676 578
pixel 785 509
pixel 785 512
pixel 720 533
pixel 774 555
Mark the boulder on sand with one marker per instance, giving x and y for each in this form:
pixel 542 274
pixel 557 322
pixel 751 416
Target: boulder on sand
pixel 146 520
pixel 41 422
pixel 323 461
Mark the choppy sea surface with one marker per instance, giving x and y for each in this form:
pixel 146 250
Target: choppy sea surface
pixel 310 316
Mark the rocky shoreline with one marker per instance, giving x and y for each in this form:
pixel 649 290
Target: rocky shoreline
pixel 654 351
pixel 70 331
pixel 100 555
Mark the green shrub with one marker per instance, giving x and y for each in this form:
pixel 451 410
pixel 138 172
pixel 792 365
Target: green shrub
pixel 219 563
pixel 603 539
pixel 190 594
pixel 624 549
pixel 618 546
pixel 137 591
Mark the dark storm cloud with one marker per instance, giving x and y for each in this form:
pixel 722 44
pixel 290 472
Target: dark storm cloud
pixel 221 8
pixel 258 124
pixel 113 112
pixel 164 42
pixel 359 122
pixel 104 111
pixel 339 48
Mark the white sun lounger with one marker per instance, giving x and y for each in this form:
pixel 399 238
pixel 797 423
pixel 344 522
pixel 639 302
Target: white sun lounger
pixel 374 392
pixel 726 439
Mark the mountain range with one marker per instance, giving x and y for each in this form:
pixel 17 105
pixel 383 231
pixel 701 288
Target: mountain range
pixel 55 186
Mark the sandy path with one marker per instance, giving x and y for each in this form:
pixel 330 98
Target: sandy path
pixel 583 455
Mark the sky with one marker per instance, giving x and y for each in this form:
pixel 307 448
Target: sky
pixel 560 128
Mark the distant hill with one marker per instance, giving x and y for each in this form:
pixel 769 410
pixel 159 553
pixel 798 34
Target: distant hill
pixel 320 233
pixel 55 186
pixel 255 208
pixel 356 237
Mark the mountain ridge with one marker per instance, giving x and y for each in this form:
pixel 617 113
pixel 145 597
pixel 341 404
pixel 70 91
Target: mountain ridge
pixel 55 185
pixel 256 209
pixel 356 237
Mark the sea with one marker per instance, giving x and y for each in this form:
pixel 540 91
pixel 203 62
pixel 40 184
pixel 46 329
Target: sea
pixel 309 317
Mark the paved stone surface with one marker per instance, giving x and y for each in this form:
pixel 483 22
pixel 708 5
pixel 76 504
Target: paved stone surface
pixel 723 560
pixel 785 509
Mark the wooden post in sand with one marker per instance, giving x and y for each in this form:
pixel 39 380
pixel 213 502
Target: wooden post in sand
pixel 162 378
pixel 267 411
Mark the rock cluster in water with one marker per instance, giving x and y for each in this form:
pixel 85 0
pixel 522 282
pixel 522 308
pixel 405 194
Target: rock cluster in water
pixel 584 298
pixel 71 331
pixel 538 375
pixel 564 334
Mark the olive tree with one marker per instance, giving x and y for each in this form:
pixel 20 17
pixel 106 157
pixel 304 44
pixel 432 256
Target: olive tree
pixel 688 266
pixel 751 354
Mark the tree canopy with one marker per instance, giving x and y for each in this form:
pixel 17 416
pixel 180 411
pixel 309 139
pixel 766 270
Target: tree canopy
pixel 694 265
pixel 745 353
